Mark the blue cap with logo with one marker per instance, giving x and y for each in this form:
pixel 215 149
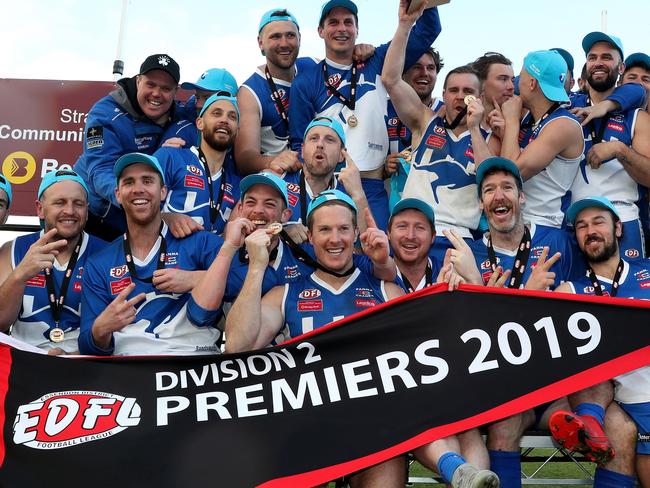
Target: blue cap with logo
pixel 593 37
pixel 332 4
pixel 329 196
pixel 638 59
pixel 414 204
pixel 325 121
pixel 6 186
pixel 135 158
pixel 497 162
pixel 214 80
pixel 275 15
pixel 214 98
pixel 589 202
pixel 55 176
pixel 549 69
pixel 568 59
pixel 268 179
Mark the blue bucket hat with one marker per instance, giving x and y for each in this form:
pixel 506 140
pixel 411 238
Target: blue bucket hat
pixel 275 15
pixel 329 196
pixel 6 186
pixel 497 162
pixel 268 179
pixel 325 121
pixel 414 204
pixel 593 37
pixel 135 158
pixel 549 69
pixel 54 177
pixel 214 80
pixel 589 202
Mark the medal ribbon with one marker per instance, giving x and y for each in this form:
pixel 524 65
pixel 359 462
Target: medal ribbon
pixel 428 280
pixel 521 259
pixel 128 256
pixel 214 206
pixel 598 289
pixel 277 99
pixel 56 304
pixel 351 102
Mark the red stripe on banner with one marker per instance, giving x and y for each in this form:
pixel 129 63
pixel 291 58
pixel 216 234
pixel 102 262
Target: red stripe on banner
pixel 5 370
pixel 543 395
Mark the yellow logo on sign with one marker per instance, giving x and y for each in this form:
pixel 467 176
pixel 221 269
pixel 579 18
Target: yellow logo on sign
pixel 19 167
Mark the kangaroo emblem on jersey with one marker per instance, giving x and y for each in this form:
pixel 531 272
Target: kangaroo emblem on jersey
pixel 447 173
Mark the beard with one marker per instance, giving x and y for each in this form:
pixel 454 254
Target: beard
pixel 609 249
pixel 210 137
pixel 603 85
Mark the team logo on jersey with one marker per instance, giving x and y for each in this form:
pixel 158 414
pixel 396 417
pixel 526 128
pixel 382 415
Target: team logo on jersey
pixel 436 141
pixel 486 264
pixel 440 130
pixel 310 293
pixel 616 127
pixel 632 253
pixel 119 271
pixel 76 286
pixel 70 418
pixel 192 181
pixel 393 121
pixel 38 281
pixel 118 286
pixel 591 290
pixel 195 170
pixel 361 303
pixel 310 306
pixel 293 187
pixel 449 174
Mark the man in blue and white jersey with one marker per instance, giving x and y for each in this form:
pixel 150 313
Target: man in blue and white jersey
pixel 637 70
pixel 41 272
pixel 203 181
pixel 547 145
pixel 598 229
pixel 136 289
pixel 617 162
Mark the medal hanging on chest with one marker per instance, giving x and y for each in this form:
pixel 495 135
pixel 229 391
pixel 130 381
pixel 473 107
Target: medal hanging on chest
pixel 352 120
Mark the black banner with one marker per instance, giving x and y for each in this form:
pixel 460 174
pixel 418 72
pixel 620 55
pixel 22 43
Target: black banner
pixel 350 395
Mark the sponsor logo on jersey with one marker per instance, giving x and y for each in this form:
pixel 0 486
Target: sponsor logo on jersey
pixel 364 293
pixel 291 272
pixel 645 284
pixel 616 127
pixel 310 293
pixel 441 131
pixel 70 418
pixel 145 142
pixel 642 275
pixel 469 152
pixel 171 259
pixel 310 306
pixel 95 137
pixel 228 198
pixel 118 271
pixel 120 285
pixel 76 286
pixel 536 252
pixel 436 141
pixel 486 276
pixel 618 118
pixel 194 182
pixel 365 303
pixel 293 200
pixel 195 170
pixel 38 281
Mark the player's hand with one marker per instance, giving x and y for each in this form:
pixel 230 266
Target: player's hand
pixel 174 280
pixel 374 241
pixel 601 153
pixel 392 163
pixel 541 278
pixel 181 225
pixel 119 313
pixel 587 114
pixel 56 351
pixel 511 109
pixel 236 231
pixel 350 178
pixel 475 113
pixel 297 232
pixel 176 142
pixel 496 121
pixel 285 162
pixel 499 277
pixel 462 258
pixel 448 275
pixel 362 52
pixel 257 246
pixel 39 256
pixel 407 18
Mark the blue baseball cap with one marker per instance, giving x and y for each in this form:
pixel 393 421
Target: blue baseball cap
pixel 549 69
pixel 214 80
pixel 568 59
pixel 265 178
pixel 275 15
pixel 589 202
pixel 214 98
pixel 325 121
pixel 332 4
pixel 6 186
pixel 135 158
pixel 54 177
pixel 414 204
pixel 497 162
pixel 637 59
pixel 593 37
pixel 329 196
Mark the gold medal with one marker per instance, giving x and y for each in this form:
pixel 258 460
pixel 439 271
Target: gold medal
pixel 406 154
pixel 274 228
pixel 469 99
pixel 352 120
pixel 57 334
